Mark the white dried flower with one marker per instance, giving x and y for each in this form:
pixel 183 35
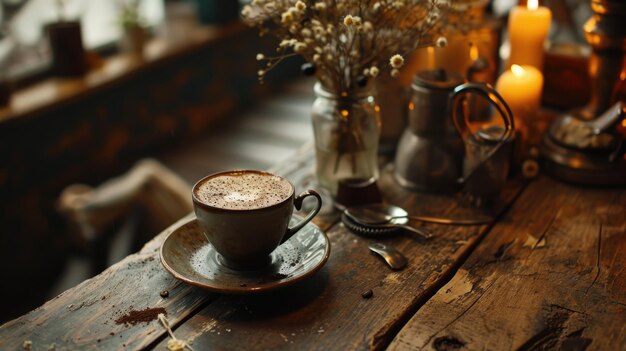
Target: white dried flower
pixel 396 61
pixel 306 32
pixel 331 35
pixel 319 31
pixel 300 6
pixel 246 11
pixel 441 42
pixel 286 17
pixel 348 21
pixel 260 73
pixel 368 26
pixel 299 47
pixel 320 6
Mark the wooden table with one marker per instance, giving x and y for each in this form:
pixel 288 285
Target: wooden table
pixel 550 273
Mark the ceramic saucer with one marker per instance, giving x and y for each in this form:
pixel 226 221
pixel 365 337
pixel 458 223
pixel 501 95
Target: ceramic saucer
pixel 188 256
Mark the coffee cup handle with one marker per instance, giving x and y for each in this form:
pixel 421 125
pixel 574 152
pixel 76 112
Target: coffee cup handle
pixel 297 202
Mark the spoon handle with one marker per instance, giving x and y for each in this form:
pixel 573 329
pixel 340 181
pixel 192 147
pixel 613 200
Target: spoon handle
pixel 421 231
pixel 438 220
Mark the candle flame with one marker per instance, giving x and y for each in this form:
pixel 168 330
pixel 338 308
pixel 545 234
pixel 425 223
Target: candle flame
pixel 532 4
pixel 473 52
pixel 518 70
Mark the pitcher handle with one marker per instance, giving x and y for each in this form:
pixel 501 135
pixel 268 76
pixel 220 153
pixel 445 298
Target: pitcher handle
pixel 297 202
pixel 462 125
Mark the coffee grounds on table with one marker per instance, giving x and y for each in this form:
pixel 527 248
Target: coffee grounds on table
pixel 135 317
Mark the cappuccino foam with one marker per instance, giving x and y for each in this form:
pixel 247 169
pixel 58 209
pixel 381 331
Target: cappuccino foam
pixel 243 190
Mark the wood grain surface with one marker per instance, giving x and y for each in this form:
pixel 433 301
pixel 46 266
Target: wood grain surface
pixel 85 316
pixel 549 276
pixel 328 312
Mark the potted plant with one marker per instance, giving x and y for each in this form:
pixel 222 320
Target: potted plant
pixel 134 26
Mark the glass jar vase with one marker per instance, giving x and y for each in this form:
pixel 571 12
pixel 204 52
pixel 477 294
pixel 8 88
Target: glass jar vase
pixel 346 129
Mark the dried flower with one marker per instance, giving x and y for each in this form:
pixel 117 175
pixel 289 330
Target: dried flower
pixel 349 42
pixel 374 71
pixel 320 6
pixel 348 21
pixel 396 61
pixel 260 57
pixel 441 42
pixel 299 47
pixel 246 11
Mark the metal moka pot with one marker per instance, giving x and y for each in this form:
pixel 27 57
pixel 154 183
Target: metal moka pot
pixel 429 155
pixel 431 151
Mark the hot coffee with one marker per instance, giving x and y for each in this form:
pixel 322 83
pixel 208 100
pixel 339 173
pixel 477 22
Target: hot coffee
pixel 245 215
pixel 243 190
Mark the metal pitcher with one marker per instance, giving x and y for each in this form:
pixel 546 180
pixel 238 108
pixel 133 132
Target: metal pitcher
pixel 431 151
pixel 429 156
pixel 488 150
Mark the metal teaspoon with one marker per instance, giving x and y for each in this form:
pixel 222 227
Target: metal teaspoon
pixel 383 213
pixel 394 258
pixel 399 223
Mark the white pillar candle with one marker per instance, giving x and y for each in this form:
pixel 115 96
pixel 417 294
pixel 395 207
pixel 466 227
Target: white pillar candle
pixel 528 28
pixel 521 89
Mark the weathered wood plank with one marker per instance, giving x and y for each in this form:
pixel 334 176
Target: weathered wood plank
pixel 549 276
pixel 85 316
pixel 327 311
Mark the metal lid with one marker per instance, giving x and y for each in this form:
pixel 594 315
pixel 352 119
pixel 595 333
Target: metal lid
pixel 438 79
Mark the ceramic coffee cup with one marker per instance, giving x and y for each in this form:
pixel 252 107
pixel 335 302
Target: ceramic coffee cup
pixel 245 215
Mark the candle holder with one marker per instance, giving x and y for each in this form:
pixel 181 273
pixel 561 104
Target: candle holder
pixel 585 146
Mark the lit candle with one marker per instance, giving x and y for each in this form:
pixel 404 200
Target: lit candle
pixel 521 89
pixel 528 28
